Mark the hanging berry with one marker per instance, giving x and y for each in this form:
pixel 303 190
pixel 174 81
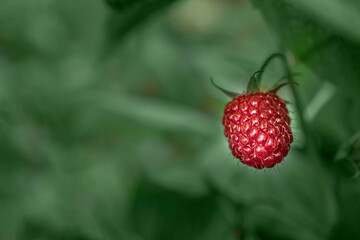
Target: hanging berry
pixel 257 124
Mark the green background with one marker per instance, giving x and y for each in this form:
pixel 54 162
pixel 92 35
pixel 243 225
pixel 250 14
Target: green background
pixel 110 128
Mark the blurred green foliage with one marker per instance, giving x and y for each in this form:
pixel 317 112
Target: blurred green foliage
pixel 110 128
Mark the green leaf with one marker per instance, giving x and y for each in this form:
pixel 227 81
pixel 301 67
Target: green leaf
pixel 289 198
pixel 348 156
pixel 349 210
pixel 120 24
pixel 321 46
pixel 144 111
pixel 337 14
pixel 172 210
pixel 122 4
pixel 322 97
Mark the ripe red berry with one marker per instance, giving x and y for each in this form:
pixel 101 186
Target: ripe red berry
pixel 257 126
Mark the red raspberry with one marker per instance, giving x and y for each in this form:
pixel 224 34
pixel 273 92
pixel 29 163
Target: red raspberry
pixel 257 126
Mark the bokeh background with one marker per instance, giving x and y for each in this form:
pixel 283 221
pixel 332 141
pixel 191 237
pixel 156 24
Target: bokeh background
pixel 110 128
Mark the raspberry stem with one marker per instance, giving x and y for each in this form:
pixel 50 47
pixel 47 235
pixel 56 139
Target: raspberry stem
pixel 267 62
pixel 311 145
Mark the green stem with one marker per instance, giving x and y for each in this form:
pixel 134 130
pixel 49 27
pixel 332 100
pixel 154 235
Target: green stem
pixel 267 62
pixel 311 145
pixel 298 103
